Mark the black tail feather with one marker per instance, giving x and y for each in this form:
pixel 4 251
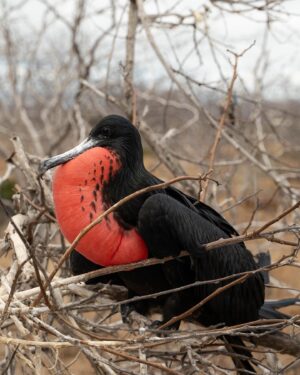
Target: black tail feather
pixel 241 356
pixel 269 308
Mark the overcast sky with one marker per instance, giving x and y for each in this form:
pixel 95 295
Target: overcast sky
pixel 282 75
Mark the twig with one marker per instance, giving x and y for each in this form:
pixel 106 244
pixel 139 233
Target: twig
pixel 12 291
pixel 210 246
pixel 139 360
pixel 24 259
pixel 103 215
pixel 213 148
pixel 127 268
pixel 129 65
pixel 277 218
pixel 196 307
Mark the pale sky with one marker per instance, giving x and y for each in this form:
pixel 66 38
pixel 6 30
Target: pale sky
pixel 282 74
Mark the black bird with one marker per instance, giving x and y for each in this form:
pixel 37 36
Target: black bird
pixel 108 166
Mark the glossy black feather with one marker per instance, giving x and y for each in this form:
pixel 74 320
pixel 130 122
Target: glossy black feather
pixel 168 227
pixel 171 221
pixel 269 308
pixel 195 224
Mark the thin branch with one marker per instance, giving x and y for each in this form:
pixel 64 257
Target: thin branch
pixel 213 148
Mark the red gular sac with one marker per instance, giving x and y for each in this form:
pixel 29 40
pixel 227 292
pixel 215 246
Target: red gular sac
pixel 78 200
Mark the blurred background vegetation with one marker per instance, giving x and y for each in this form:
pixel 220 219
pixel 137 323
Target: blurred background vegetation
pixel 169 66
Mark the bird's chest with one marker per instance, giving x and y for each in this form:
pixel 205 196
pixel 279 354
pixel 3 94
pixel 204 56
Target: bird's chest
pixel 78 199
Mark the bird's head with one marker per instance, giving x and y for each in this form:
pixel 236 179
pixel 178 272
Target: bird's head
pixel 113 132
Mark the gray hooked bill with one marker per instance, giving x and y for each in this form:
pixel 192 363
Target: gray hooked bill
pixel 66 156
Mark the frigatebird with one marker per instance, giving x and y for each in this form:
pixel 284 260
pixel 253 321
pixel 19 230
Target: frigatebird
pixel 108 166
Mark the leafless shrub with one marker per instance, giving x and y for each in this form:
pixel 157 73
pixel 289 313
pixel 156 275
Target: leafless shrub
pixel 141 59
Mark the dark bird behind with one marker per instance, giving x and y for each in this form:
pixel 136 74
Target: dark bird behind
pixel 108 166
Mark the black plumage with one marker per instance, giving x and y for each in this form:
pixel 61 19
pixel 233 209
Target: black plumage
pixel 170 221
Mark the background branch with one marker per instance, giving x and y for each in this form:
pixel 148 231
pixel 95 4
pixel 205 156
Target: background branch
pixel 164 65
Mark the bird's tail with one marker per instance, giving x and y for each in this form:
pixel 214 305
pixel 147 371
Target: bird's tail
pixel 269 308
pixel 240 355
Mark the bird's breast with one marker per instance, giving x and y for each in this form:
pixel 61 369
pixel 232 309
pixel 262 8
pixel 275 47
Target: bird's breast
pixel 78 200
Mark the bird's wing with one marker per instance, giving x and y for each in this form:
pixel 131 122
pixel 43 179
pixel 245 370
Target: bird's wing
pixel 169 223
pixel 204 210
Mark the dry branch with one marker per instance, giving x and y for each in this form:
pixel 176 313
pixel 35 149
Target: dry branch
pixel 50 106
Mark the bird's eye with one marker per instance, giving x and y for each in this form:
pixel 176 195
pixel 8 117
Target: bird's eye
pixel 106 132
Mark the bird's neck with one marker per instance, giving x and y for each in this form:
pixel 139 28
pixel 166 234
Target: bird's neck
pixel 80 183
pixel 125 182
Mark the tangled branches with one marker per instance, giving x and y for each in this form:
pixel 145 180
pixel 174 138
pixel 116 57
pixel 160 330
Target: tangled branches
pixel 174 75
pixel 48 316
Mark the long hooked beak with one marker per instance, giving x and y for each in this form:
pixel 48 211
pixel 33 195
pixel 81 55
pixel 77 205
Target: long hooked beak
pixel 66 156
